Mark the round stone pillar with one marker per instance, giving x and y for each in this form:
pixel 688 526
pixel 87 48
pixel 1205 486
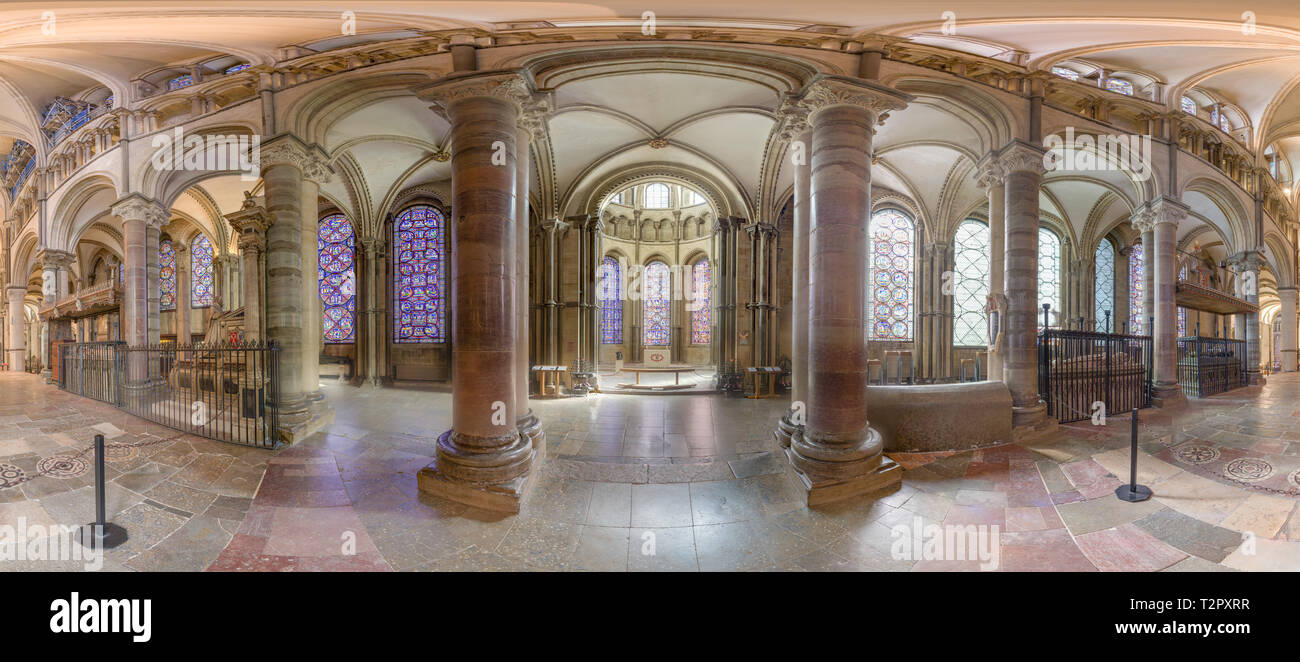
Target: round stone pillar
pixel 484 459
pixel 799 154
pixel 16 318
pixel 1160 221
pixel 142 220
pixel 1288 316
pixel 311 313
pixel 531 122
pixel 1023 165
pixel 993 178
pixel 837 454
pixel 182 325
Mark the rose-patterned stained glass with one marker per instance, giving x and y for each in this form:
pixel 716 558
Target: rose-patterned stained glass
pixel 611 302
pixel 419 236
pixel 1135 269
pixel 656 293
pixel 1063 72
pixel 1103 289
pixel 1188 105
pixel 336 276
pixel 1049 276
pixel 889 276
pixel 702 315
pixel 201 273
pixel 1120 86
pixel 970 289
pixel 166 275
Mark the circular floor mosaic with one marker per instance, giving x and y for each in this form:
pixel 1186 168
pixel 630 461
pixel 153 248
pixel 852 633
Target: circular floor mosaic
pixel 1248 469
pixel 62 466
pixel 1294 478
pixel 10 476
pixel 118 452
pixel 1196 454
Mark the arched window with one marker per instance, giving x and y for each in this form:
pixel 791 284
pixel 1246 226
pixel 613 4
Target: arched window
pixel 166 275
pixel 1188 105
pixel 1224 124
pixel 889 276
pixel 418 280
pixel 236 69
pixel 1049 274
pixel 656 293
pixel 971 289
pixel 201 273
pixel 1103 289
pixel 691 198
pixel 611 302
pixel 701 301
pixel 1066 73
pixel 179 82
pixel 656 196
pixel 1135 268
pixel 1119 85
pixel 336 278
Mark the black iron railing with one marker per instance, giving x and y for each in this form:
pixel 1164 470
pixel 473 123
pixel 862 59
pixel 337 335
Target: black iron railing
pixel 1211 365
pixel 1077 369
pixel 225 392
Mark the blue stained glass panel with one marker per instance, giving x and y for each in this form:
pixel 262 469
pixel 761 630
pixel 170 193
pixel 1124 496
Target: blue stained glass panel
pixel 201 273
pixel 336 276
pixel 657 291
pixel 611 303
pixel 702 316
pixel 166 276
pixel 419 236
pixel 889 276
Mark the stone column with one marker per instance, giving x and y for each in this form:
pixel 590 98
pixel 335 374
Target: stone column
pixel 1160 219
pixel 286 162
pixel 56 267
pixel 374 308
pixel 1023 164
pixel 1287 315
pixel 794 419
pixel 1119 316
pixel 531 122
pixel 142 220
pixel 311 313
pixel 182 326
pixel 1148 282
pixel 483 460
pixel 838 455
pixel 251 223
pixel 726 237
pixel 553 234
pixel 1247 265
pixel 16 356
pixel 762 238
pixel 589 244
pixel 992 177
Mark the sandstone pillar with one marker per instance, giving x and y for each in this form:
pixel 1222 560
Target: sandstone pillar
pixel 16 319
pixel 837 454
pixel 531 122
pixel 1247 265
pixel 483 460
pixel 251 223
pixel 1023 164
pixel 182 319
pixel 800 157
pixel 312 331
pixel 1288 317
pixel 553 234
pixel 993 178
pixel 1161 220
pixel 142 220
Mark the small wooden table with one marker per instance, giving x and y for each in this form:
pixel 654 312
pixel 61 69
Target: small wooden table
pixel 772 373
pixel 544 370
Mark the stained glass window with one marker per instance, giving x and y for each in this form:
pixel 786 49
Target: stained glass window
pixel 166 275
pixel 237 68
pixel 971 287
pixel 1182 322
pixel 418 275
pixel 1119 85
pixel 1224 123
pixel 179 82
pixel 336 277
pixel 655 297
pixel 1066 73
pixel 1135 270
pixel 611 302
pixel 1049 275
pixel 889 276
pixel 1188 105
pixel 656 196
pixel 702 315
pixel 201 273
pixel 1103 288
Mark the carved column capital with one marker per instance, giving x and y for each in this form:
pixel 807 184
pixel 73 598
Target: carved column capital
pixel 990 171
pixel 514 86
pixel 1020 156
pixel 289 150
pixel 834 91
pixel 136 207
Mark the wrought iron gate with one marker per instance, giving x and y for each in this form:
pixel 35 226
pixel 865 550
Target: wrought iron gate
pixel 1211 365
pixel 1077 369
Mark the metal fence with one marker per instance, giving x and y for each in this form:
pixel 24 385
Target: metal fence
pixel 1079 368
pixel 225 392
pixel 1211 365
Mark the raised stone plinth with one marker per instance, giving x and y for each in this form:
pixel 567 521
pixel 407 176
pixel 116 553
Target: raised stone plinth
pixel 941 417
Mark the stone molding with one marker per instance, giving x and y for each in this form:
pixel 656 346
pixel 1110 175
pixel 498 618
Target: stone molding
pixel 513 86
pixel 1155 212
pixel 833 91
pixel 990 171
pixel 289 150
pixel 1019 156
pixel 137 208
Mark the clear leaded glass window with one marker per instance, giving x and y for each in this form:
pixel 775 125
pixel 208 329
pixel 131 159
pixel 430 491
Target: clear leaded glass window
pixel 1066 73
pixel 889 276
pixel 611 303
pixel 336 277
pixel 702 316
pixel 166 275
pixel 1119 85
pixel 656 293
pixel 1103 290
pixel 201 273
pixel 1049 273
pixel 1135 270
pixel 418 275
pixel 656 196
pixel 970 284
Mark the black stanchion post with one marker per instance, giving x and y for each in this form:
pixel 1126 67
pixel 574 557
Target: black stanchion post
pixel 1133 492
pixel 106 535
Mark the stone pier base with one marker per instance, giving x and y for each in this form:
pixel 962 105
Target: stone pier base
pixel 823 489
pixel 505 497
pixel 298 427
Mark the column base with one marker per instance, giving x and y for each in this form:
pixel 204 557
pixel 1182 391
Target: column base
pixel 785 431
pixel 1030 422
pixel 315 396
pixel 822 489
pixel 303 420
pixel 503 497
pixel 1256 378
pixel 1168 396
pixel 530 426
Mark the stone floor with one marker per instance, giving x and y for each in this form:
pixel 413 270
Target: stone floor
pixel 695 479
